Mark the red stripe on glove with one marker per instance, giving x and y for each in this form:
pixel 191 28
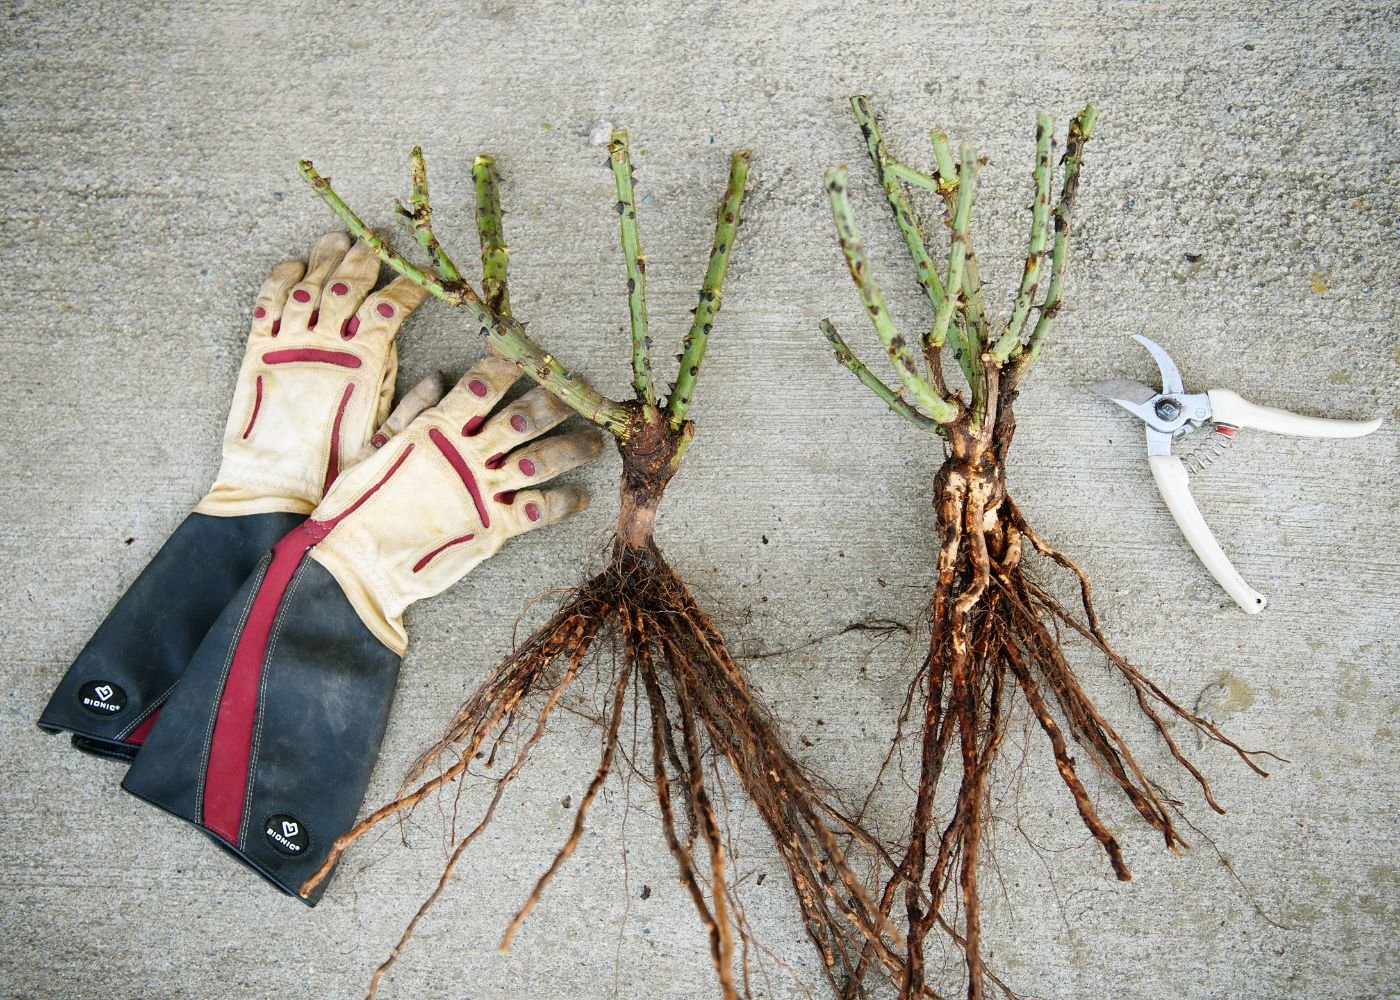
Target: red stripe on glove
pixel 342 358
pixel 459 465
pixel 231 747
pixel 333 459
pixel 418 566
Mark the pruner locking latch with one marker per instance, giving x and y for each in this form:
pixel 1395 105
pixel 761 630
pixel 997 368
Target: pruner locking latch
pixel 1173 413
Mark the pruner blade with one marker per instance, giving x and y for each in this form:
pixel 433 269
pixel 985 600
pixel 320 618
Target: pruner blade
pixel 1171 375
pixel 1132 396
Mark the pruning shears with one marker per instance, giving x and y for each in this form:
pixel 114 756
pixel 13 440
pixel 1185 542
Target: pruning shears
pixel 1174 413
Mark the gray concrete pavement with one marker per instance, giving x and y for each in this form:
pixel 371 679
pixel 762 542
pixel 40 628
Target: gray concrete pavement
pixel 1239 208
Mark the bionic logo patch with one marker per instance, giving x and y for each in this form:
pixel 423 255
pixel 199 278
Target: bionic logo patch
pixel 102 697
pixel 286 835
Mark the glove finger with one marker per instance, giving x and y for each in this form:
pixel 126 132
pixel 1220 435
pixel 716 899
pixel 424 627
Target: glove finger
pixel 272 296
pixel 384 311
pixel 477 393
pixel 534 413
pixel 346 288
pixel 388 382
pixel 536 508
pixel 546 458
pixel 423 395
pixel 299 314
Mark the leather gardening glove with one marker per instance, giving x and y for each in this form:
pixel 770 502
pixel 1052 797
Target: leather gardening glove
pixel 317 379
pixel 268 742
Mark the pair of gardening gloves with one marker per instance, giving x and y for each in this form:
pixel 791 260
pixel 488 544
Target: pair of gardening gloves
pixel 247 673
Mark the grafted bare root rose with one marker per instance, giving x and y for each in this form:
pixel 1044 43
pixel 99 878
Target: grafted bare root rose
pixel 994 632
pixel 698 704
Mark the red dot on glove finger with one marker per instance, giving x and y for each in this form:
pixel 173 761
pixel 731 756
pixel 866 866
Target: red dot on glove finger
pixel 477 387
pixel 385 310
pixel 527 467
pixel 340 288
pixel 518 422
pixel 532 511
pixel 379 441
pixel 473 426
pixel 351 325
pixel 302 295
pixel 259 312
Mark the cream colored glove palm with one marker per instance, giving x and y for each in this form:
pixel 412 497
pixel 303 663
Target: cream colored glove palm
pixel 446 493
pixel 316 382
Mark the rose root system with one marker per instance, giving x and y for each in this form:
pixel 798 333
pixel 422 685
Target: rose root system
pixel 698 706
pixel 994 640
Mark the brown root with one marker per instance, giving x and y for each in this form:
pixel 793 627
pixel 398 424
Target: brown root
pixel 993 632
pixel 700 708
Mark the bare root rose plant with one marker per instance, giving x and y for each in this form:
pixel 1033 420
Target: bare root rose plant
pixel 674 669
pixel 994 631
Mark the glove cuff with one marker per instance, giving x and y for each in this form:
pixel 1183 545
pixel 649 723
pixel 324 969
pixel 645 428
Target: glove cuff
pixel 240 490
pixel 268 742
pixel 111 693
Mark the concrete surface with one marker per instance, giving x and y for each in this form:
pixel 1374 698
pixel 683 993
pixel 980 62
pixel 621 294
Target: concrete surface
pixel 1239 207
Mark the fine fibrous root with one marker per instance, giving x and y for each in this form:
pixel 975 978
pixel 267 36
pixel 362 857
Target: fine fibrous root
pixel 994 633
pixel 698 706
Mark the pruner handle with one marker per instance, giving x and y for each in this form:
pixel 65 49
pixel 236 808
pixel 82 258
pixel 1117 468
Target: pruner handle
pixel 1175 487
pixel 1230 408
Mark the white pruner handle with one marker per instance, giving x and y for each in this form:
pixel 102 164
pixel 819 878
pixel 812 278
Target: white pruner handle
pixel 1230 408
pixel 1172 481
